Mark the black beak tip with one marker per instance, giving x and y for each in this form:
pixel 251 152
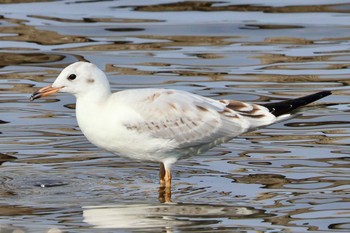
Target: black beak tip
pixel 34 96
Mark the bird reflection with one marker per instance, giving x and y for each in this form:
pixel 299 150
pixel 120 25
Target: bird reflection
pixel 168 216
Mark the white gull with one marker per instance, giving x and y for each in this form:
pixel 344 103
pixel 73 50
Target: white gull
pixel 160 125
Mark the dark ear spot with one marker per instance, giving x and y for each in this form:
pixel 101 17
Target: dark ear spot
pixel 90 80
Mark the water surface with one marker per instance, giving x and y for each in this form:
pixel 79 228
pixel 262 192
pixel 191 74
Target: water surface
pixel 289 177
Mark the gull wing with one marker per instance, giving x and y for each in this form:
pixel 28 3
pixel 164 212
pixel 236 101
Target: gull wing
pixel 188 119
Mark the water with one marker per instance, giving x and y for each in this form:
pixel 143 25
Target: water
pixel 289 177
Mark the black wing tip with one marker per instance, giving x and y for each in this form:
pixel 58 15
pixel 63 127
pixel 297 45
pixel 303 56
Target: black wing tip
pixel 288 106
pixel 312 98
pixel 324 93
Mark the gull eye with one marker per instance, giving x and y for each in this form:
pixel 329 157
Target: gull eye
pixel 71 77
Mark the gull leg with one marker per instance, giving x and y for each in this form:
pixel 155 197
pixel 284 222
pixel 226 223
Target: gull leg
pixel 164 176
pixel 165 184
pixel 164 195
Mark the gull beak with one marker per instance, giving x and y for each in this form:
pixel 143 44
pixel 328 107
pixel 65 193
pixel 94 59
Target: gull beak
pixel 45 91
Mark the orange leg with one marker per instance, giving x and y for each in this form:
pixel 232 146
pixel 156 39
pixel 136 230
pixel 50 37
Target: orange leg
pixel 165 184
pixel 164 176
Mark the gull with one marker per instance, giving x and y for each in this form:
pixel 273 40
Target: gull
pixel 160 125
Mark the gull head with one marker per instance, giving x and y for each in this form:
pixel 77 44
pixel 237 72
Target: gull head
pixel 79 79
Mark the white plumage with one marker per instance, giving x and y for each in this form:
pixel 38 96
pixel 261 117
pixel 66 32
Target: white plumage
pixel 158 125
pixel 153 124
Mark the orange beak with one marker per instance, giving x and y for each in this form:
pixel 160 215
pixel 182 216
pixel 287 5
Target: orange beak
pixel 45 91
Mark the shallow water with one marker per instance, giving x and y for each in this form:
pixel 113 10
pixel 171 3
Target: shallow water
pixel 289 177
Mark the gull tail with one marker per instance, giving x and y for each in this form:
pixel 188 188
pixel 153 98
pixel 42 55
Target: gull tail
pixel 286 107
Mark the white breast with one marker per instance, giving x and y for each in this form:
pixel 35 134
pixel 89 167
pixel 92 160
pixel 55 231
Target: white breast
pixel 102 124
